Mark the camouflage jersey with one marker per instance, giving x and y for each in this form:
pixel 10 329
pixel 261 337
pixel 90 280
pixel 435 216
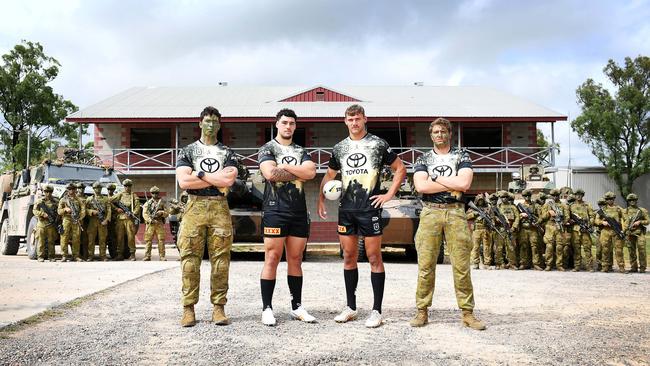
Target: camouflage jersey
pixel 284 196
pixel 630 214
pixel 209 159
pixel 360 163
pixel 443 165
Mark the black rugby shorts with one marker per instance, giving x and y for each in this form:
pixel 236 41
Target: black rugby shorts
pixel 279 224
pixel 365 223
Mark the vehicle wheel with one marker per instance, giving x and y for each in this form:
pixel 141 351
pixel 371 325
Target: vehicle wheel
pixel 8 244
pixel 411 252
pixel 362 250
pixel 31 243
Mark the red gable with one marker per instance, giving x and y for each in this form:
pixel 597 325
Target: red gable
pixel 320 94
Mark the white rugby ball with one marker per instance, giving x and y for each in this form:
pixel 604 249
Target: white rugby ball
pixel 332 190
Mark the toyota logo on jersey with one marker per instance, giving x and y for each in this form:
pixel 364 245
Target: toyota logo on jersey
pixel 209 165
pixel 290 160
pixel 443 170
pixel 356 162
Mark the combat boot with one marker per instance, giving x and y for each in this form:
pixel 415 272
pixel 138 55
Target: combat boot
pixel 538 268
pixel 475 266
pixel 41 259
pixel 547 269
pixel 189 319
pixel 561 269
pixel 132 257
pixel 219 315
pixel 146 259
pixel 634 270
pixel 642 270
pixel 163 259
pixel 420 319
pixel 469 320
pixel 119 258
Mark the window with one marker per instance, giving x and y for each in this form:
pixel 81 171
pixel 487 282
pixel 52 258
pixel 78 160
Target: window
pixel 396 137
pixel 298 135
pixel 486 137
pixel 151 138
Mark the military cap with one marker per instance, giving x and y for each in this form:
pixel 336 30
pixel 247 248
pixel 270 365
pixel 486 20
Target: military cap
pixel 527 193
pixel 632 197
pixel 111 187
pixel 71 186
pixel 127 182
pixel 97 185
pixel 493 197
pixel 610 195
pixel 48 188
pixel 579 191
pixel 80 185
pixel 555 192
pixel 601 202
pixel 154 189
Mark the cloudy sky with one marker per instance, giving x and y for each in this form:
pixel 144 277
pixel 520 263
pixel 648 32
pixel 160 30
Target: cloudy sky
pixel 539 50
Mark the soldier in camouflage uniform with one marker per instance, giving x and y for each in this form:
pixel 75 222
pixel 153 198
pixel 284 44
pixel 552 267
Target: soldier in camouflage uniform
pixel 443 215
pixel 154 212
pixel 496 251
pixel 599 248
pixel 636 233
pixel 528 238
pixel 73 211
pixel 481 235
pixel 111 235
pixel 580 238
pixel 540 200
pixel 47 223
pixel 555 216
pixel 511 213
pixel 501 236
pixel 125 224
pixel 206 168
pixel 608 237
pixel 98 209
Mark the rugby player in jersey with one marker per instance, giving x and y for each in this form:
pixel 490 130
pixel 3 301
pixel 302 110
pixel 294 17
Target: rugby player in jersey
pixel 360 158
pixel 441 176
pixel 206 169
pixel 285 221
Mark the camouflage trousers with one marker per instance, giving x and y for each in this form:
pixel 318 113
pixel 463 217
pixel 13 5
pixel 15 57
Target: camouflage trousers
pixel 512 249
pixel 71 234
pixel 609 240
pixel 528 240
pixel 637 243
pixel 500 239
pixel 205 219
pixel 125 227
pixel 46 238
pixel 481 237
pixel 95 231
pixel 554 239
pixel 581 242
pixel 450 224
pixel 156 229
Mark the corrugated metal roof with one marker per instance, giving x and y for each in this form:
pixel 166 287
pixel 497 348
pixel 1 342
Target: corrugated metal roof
pixel 262 101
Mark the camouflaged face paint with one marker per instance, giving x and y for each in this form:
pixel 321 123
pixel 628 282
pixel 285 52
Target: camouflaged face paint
pixel 210 126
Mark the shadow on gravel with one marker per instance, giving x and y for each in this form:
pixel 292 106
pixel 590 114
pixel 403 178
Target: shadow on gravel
pixel 322 256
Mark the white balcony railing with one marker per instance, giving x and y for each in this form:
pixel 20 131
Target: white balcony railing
pixel 133 160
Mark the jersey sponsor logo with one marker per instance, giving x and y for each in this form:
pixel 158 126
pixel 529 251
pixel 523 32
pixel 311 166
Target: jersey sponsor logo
pixel 271 231
pixel 356 160
pixel 290 160
pixel 342 229
pixel 443 170
pixel 375 227
pixel 375 218
pixel 209 165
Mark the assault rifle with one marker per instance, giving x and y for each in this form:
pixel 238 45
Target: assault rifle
pixel 613 224
pixel 559 215
pixel 101 211
pixel 127 211
pixel 52 217
pixel 532 218
pixel 153 211
pixel 74 213
pixel 634 219
pixel 503 221
pixel 583 223
pixel 486 219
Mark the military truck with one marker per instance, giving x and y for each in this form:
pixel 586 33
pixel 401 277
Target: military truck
pixel 18 223
pixel 530 177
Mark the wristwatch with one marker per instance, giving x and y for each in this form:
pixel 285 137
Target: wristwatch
pixel 200 174
pixel 434 176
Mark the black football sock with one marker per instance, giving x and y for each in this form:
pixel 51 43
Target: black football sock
pixel 267 287
pixel 378 279
pixel 351 277
pixel 295 288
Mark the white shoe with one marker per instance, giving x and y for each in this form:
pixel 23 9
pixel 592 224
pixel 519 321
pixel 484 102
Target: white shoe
pixel 346 315
pixel 267 317
pixel 302 314
pixel 374 320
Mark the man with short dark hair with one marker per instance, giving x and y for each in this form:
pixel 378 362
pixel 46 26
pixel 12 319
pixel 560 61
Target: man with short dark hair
pixel 206 169
pixel 285 166
pixel 360 158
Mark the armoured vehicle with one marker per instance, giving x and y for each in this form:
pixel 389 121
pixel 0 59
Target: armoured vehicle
pixel 529 177
pixel 18 224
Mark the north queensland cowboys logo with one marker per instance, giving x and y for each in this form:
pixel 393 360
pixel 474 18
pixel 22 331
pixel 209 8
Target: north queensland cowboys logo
pixel 356 160
pixel 443 170
pixel 289 160
pixel 209 165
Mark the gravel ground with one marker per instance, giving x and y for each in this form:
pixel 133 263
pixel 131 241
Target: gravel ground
pixel 532 318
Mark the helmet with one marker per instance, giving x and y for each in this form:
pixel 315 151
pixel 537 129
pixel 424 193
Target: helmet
pixel 566 190
pixel 111 187
pixel 80 186
pixel 527 193
pixel 48 188
pixel 71 186
pixel 127 183
pixel 502 194
pixel 510 196
pixel 601 202
pixel 493 197
pixel 184 194
pixel 479 198
pixel 571 198
pixel 97 185
pixel 555 192
pixel 154 189
pixel 632 197
pixel 610 195
pixel 579 192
